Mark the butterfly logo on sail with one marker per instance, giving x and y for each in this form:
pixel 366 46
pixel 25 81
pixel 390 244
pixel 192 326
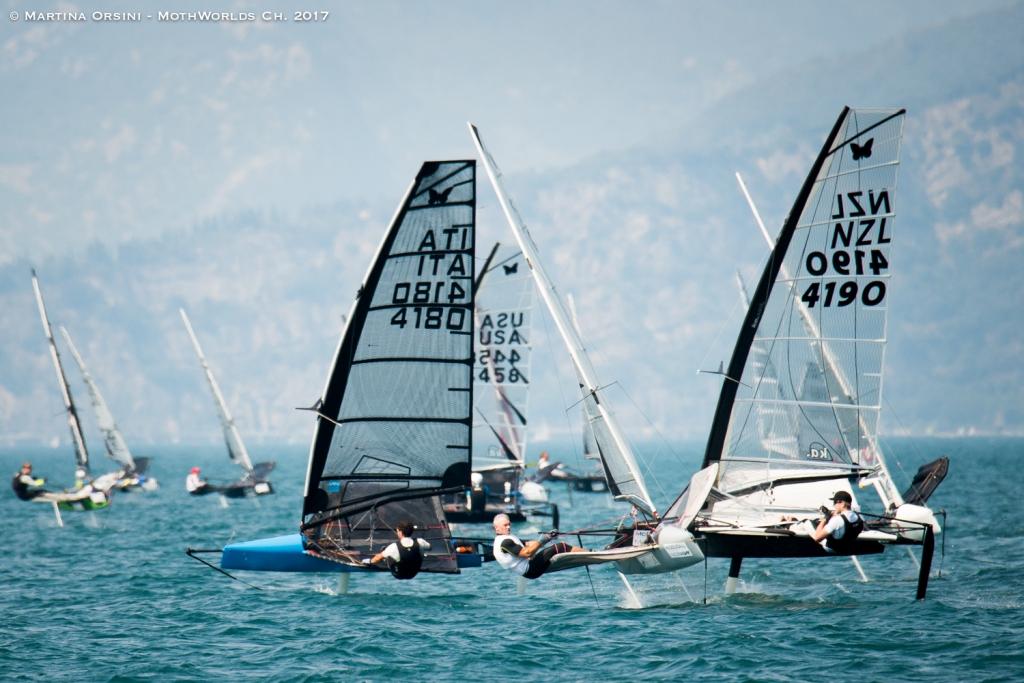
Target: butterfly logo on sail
pixel 439 197
pixel 861 151
pixel 512 269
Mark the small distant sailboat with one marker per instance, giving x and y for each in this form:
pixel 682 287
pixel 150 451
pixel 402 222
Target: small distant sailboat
pixel 254 478
pixel 132 474
pixel 86 496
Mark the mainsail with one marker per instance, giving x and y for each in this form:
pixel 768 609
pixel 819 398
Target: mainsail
pixel 624 478
pixel 117 449
pixel 232 438
pixel 81 452
pixel 501 367
pixel 811 348
pixel 394 427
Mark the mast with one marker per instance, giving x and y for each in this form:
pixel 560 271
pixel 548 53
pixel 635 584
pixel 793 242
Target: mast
pixel 886 487
pixel 233 439
pixel 117 449
pixel 723 411
pixel 81 452
pixel 631 478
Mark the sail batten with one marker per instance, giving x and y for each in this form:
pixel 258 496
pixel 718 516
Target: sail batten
pixel 808 360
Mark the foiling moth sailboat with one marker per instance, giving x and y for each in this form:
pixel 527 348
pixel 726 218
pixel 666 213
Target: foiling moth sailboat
pixel 254 478
pixel 797 415
pixel 667 547
pixel 501 373
pixel 394 422
pixel 132 474
pixel 86 496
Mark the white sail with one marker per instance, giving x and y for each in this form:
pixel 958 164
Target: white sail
pixel 81 452
pixel 501 369
pixel 236 448
pixel 117 449
pixel 884 484
pixel 626 481
pixel 811 347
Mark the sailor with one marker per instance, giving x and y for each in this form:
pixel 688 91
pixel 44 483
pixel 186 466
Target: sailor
pixel 842 527
pixel 526 559
pixel 405 556
pixel 193 483
pixel 27 487
pixel 81 479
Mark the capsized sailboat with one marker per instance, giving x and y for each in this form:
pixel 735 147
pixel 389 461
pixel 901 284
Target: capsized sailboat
pixel 254 478
pixel 132 474
pixel 394 422
pixel 797 416
pixel 86 496
pixel 668 547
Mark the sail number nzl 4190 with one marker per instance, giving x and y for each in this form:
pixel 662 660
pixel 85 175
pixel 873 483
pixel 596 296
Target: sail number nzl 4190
pixel 857 249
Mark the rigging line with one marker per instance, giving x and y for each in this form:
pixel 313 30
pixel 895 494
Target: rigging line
pixel 650 470
pixel 558 371
pixel 190 552
pixel 903 428
pixel 589 577
pixel 718 335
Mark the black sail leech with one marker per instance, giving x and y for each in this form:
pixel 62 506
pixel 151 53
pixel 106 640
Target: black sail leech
pixel 394 423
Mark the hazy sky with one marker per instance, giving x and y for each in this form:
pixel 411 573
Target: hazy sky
pixel 268 156
pixel 115 130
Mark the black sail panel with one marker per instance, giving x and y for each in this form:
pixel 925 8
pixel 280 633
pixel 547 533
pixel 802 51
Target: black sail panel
pixel 810 351
pixel 394 423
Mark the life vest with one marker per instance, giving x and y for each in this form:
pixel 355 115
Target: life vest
pixel 20 487
pixel 507 560
pixel 851 530
pixel 410 560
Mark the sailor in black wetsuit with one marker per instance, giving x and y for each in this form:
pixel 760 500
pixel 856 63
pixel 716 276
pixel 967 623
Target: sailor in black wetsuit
pixel 405 556
pixel 841 528
pixel 25 485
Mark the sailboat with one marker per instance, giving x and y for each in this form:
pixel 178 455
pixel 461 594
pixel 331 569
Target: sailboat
pixel 254 477
pixel 132 474
pixel 653 548
pixel 394 421
pixel 797 415
pixel 86 496
pixel 501 373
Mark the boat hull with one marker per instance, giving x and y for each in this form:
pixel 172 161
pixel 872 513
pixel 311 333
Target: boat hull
pixel 286 554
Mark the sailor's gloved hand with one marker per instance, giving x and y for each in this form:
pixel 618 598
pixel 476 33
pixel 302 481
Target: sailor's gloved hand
pixel 367 560
pixel 552 534
pixel 825 512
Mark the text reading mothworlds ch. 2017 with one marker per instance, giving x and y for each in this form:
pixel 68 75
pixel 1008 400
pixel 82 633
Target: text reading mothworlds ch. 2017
pixel 857 250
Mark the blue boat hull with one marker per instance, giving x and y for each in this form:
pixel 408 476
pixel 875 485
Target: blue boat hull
pixel 285 554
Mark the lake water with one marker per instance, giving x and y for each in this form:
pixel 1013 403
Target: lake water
pixel 112 596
